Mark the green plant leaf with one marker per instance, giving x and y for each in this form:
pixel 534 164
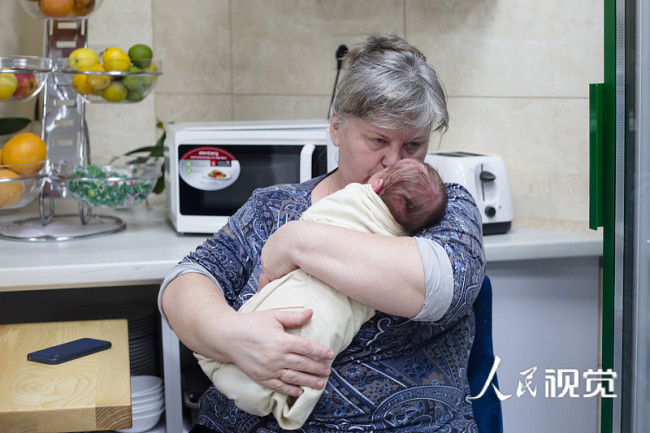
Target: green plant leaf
pixel 9 125
pixel 161 140
pixel 158 150
pixel 160 183
pixel 151 150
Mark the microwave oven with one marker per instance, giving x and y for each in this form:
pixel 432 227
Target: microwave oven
pixel 212 168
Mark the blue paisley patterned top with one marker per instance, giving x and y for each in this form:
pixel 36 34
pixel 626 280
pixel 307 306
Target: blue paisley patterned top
pixel 397 375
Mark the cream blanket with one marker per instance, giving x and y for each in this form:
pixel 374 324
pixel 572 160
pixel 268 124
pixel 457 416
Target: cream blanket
pixel 336 318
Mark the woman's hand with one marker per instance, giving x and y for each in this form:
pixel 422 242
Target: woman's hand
pixel 272 357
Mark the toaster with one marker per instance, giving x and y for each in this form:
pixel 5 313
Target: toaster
pixel 486 178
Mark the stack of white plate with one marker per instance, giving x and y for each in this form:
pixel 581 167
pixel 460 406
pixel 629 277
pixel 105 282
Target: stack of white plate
pixel 142 339
pixel 143 332
pixel 147 403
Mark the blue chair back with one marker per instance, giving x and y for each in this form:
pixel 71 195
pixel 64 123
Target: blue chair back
pixel 487 409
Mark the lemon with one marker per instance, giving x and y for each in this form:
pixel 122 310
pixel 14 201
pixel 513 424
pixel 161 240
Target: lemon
pixel 115 92
pixel 140 55
pixel 80 84
pixel 115 59
pixel 83 58
pixel 98 82
pixel 150 79
pixel 8 85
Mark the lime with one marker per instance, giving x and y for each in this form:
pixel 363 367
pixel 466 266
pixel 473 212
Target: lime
pixel 134 96
pixel 140 55
pixel 134 82
pixel 115 92
pixel 115 59
pixel 83 58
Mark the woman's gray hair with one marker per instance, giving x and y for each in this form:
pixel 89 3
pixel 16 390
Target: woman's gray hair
pixel 388 83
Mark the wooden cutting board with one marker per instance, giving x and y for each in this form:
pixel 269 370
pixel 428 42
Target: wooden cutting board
pixel 85 394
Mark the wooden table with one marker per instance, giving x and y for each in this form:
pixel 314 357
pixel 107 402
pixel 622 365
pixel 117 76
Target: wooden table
pixel 85 394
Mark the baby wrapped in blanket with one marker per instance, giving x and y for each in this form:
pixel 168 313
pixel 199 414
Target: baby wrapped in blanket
pixel 398 200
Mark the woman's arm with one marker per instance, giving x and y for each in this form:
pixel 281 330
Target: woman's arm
pixel 380 271
pixel 386 273
pixel 201 318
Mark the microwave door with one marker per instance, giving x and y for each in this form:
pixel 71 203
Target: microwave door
pixel 258 166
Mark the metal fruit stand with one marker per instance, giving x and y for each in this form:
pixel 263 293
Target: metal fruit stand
pixel 65 133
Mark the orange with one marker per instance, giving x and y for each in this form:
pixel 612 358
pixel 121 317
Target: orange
pixel 10 192
pixel 25 148
pixel 56 8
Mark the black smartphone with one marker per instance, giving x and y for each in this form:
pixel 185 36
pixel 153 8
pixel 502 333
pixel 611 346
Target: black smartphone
pixel 67 351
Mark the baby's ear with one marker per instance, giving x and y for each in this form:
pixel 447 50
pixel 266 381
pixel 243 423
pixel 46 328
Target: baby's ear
pixel 377 185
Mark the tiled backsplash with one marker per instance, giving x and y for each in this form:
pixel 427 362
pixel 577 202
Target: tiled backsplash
pixel 516 73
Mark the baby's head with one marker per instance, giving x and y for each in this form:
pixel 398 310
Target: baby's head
pixel 414 193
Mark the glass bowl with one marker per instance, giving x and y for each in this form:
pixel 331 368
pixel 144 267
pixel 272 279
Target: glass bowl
pixel 21 183
pixel 113 86
pixel 67 9
pixel 22 77
pixel 109 181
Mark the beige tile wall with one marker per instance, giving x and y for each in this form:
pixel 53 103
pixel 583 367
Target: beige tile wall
pixel 516 72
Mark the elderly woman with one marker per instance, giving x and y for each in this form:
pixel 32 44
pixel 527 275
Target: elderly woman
pixel 405 370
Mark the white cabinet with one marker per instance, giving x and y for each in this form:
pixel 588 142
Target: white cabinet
pixel 546 334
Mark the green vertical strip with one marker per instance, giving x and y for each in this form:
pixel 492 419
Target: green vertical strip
pixel 607 343
pixel 595 156
pixel 608 202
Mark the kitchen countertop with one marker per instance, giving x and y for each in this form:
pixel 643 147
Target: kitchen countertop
pixel 146 250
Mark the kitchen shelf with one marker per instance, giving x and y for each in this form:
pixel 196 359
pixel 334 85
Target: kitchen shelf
pixel 65 132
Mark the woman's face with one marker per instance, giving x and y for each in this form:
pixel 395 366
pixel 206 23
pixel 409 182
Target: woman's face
pixel 366 149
